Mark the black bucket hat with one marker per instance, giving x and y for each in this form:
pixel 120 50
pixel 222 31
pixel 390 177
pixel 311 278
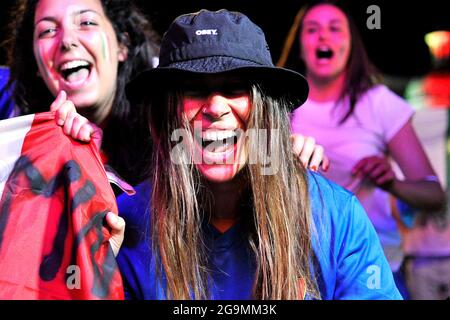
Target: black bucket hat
pixel 224 42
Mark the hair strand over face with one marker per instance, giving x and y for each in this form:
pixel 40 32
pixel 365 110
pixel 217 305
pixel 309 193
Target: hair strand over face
pixel 279 226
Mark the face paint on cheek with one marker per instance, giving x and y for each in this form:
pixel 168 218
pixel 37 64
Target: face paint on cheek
pixel 342 50
pixel 342 55
pixel 40 62
pixel 105 47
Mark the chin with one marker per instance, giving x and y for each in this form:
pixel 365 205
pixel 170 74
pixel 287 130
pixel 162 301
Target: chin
pixel 82 100
pixel 218 173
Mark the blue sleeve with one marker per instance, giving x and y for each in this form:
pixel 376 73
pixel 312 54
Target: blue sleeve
pixel 349 262
pixel 6 103
pixel 363 272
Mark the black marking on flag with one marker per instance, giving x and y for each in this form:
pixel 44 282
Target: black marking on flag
pixel 51 263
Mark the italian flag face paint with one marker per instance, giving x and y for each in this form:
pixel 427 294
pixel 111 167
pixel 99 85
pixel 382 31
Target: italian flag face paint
pixel 105 47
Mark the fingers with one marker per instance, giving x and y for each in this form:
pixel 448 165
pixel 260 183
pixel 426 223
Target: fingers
pixel 78 127
pixel 365 165
pixel 64 109
pixel 60 99
pixel 96 136
pixel 385 179
pixel 74 125
pixel 310 154
pixel 117 229
pixel 298 141
pixel 325 163
pixel 316 159
pixel 358 168
pixel 85 133
pixel 116 223
pixel 377 169
pixel 308 150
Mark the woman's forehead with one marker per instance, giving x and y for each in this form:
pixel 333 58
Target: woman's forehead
pixel 61 8
pixel 325 13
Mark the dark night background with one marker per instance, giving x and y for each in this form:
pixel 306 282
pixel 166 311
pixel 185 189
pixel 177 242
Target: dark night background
pixel 397 49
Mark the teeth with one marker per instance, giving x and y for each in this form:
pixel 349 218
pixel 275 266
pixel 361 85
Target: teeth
pixel 324 52
pixel 324 48
pixel 74 64
pixel 218 135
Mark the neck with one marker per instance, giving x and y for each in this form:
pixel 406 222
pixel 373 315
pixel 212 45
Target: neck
pixel 225 207
pixel 98 114
pixel 326 89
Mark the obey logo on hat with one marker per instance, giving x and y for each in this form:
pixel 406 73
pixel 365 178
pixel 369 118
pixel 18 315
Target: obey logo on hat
pixel 213 42
pixel 206 32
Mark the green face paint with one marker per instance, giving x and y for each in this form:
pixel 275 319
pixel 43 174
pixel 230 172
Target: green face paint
pixel 105 49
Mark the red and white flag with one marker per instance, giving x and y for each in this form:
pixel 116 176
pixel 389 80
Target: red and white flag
pixel 54 195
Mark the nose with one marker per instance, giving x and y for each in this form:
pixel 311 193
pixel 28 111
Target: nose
pixel 68 39
pixel 216 106
pixel 323 34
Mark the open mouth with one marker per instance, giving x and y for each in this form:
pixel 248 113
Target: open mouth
pixel 75 71
pixel 324 53
pixel 218 141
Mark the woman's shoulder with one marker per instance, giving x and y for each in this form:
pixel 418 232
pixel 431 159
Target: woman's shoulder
pixel 379 89
pixel 383 95
pixel 324 190
pixel 334 209
pixel 348 256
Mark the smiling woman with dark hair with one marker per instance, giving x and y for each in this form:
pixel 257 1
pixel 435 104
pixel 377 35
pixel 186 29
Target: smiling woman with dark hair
pixel 84 51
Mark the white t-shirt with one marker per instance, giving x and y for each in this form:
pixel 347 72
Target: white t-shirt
pixel 378 116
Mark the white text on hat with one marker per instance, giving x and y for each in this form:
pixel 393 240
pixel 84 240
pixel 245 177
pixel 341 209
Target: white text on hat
pixel 206 31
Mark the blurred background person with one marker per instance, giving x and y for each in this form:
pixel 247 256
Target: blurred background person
pixel 426 235
pixel 360 123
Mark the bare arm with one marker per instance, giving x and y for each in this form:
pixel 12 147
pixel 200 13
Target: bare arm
pixel 415 190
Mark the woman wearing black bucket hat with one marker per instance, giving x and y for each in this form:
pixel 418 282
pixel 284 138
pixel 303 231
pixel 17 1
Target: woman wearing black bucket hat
pixel 233 214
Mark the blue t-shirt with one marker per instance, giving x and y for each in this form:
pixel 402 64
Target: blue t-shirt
pixel 348 259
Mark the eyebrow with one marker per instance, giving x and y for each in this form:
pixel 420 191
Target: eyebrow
pixel 315 22
pixel 53 19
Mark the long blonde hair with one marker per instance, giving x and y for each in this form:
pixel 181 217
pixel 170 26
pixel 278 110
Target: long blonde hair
pixel 280 225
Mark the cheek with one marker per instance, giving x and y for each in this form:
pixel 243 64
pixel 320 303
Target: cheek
pixel 110 46
pixel 242 108
pixel 302 53
pixel 344 50
pixel 191 108
pixel 111 51
pixel 39 57
pixel 43 54
pixel 98 44
pixel 105 46
pixel 307 48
